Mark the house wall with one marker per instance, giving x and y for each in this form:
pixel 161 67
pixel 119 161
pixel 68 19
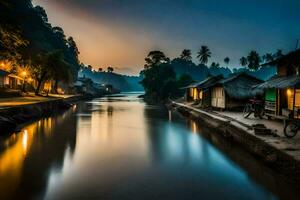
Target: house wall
pixel 218 97
pixel 206 99
pixel 1 81
pixel 194 94
pixel 281 70
pixel 284 70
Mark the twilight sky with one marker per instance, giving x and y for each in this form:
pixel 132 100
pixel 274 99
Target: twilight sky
pixel 120 33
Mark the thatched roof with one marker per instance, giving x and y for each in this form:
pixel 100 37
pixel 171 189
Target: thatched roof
pixel 281 82
pixel 208 82
pixel 239 86
pixel 290 59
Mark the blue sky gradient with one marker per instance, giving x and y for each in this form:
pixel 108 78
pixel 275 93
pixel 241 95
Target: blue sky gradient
pixel 121 32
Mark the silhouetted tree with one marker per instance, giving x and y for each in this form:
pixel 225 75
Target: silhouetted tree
pixel 60 70
pixel 243 61
pixel 90 67
pixel 184 80
pixel 253 60
pixel 278 54
pixel 268 57
pixel 186 55
pixel 204 54
pixel 155 58
pixel 214 64
pixel 226 60
pixel 159 78
pixel 110 69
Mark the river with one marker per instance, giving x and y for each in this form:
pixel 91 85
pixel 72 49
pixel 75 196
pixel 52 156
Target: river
pixel 121 148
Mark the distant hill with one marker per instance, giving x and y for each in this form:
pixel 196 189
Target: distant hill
pixel 119 81
pixel 197 72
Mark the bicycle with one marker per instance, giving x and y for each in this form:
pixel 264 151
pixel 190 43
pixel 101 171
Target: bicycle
pixel 255 106
pixel 291 129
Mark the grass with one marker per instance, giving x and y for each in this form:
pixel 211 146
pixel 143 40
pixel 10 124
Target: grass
pixel 30 99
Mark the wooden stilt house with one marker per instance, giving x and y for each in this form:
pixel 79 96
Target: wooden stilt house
pixel 282 92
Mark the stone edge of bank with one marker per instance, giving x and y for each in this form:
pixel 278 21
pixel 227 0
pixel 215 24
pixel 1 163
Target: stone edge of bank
pixel 12 118
pixel 272 156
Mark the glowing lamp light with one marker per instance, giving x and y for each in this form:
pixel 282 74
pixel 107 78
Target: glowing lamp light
pixel 289 92
pixel 24 73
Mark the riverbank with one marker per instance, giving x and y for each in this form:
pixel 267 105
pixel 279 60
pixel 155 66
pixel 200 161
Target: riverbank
pixel 276 151
pixel 19 112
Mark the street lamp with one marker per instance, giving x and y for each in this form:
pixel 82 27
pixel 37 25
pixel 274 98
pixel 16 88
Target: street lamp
pixel 24 73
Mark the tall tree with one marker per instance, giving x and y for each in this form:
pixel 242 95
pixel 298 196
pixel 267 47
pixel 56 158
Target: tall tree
pixel 253 60
pixel 204 54
pixel 186 55
pixel 155 58
pixel 226 60
pixel 268 57
pixel 159 79
pixel 214 65
pixel 110 69
pixel 243 61
pixel 60 70
pixel 11 36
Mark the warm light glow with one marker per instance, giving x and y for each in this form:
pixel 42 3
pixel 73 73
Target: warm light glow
pixel 25 141
pixel 289 92
pixel 194 127
pixel 24 73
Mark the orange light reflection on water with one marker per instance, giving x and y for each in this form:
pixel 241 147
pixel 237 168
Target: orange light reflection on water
pixel 12 158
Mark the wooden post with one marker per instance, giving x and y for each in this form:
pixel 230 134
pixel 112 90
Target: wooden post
pixel 294 98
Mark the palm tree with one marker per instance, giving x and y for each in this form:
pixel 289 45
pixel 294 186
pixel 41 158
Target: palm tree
pixel 268 57
pixel 110 69
pixel 253 60
pixel 186 55
pixel 243 61
pixel 204 54
pixel 214 64
pixel 226 60
pixel 278 53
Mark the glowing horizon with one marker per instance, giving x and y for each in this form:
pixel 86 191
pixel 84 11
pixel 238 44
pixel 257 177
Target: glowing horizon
pixel 121 33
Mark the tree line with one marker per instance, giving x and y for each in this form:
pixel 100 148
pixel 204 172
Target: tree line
pixel 161 82
pixel 30 43
pixel 252 61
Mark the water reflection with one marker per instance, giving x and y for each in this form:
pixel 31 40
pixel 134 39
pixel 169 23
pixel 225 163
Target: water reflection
pixel 120 148
pixel 27 157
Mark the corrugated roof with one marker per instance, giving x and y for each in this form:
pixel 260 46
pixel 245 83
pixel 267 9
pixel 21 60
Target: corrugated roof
pixel 280 82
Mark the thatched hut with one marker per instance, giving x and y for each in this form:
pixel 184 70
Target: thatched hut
pixel 200 92
pixel 233 92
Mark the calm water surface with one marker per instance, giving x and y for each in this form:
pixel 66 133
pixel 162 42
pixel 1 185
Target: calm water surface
pixel 119 148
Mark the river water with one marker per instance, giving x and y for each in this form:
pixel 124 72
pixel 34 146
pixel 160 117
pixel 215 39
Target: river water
pixel 121 148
